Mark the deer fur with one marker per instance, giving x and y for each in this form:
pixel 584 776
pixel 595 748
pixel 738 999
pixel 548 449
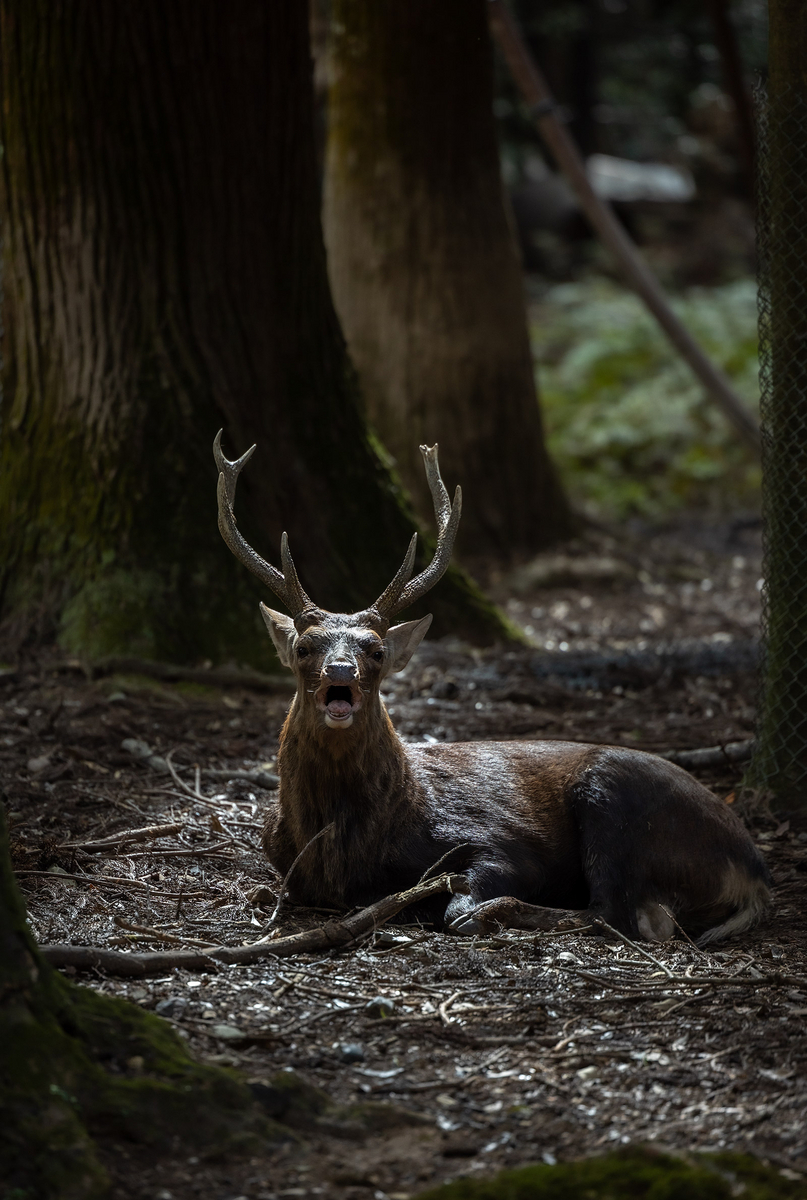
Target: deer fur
pixel 601 831
pixel 616 832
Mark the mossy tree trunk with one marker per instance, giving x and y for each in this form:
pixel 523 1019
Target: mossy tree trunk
pixel 780 762
pixel 424 269
pixel 165 276
pixel 76 1064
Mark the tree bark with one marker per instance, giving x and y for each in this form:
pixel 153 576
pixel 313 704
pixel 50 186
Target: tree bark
pixel 424 268
pixel 75 1065
pixel 165 276
pixel 780 762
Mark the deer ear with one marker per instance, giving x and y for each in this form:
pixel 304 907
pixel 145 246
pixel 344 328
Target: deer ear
pixel 403 640
pixel 282 632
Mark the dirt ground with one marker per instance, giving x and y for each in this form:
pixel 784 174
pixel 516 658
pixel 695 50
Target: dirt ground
pixel 492 1051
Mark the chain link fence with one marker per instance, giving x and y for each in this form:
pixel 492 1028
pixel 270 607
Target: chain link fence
pixel 779 766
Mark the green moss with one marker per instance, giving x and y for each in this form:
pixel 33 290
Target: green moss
pixel 632 1174
pixel 76 1064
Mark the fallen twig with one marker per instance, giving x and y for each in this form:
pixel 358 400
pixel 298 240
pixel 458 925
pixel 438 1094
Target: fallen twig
pixel 110 881
pixel 159 935
pixel 330 936
pixel 445 1006
pixel 193 852
pixel 124 836
pixel 677 981
pixel 633 945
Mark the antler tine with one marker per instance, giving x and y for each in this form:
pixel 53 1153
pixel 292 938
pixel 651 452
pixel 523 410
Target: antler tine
pixel 289 591
pixel 440 500
pixel 385 604
pixel 448 515
pixel 301 600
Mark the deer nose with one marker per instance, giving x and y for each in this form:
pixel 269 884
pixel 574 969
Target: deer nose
pixel 340 672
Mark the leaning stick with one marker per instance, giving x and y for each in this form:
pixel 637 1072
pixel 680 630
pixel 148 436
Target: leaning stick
pixel 535 91
pixel 330 936
pixel 284 887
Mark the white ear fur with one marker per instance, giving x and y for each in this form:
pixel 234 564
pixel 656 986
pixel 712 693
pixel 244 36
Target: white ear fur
pixel 282 632
pixel 403 640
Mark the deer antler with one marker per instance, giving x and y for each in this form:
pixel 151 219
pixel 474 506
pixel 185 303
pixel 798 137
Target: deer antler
pixel 401 593
pixel 286 586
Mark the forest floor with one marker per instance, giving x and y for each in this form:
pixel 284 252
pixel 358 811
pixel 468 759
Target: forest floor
pixel 488 1052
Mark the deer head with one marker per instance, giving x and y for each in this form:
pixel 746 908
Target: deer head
pixel 340 659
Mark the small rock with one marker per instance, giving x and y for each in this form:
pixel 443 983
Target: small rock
pixel 171 1006
pixel 349 1051
pixel 380 1006
pixel 227 1033
pixel 142 750
pixel 448 1101
pixel 36 765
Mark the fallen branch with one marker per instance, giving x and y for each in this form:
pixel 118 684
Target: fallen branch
pixel 712 756
pixel 124 836
pixel 330 936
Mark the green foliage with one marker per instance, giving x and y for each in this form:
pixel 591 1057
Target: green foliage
pixel 632 1174
pixel 627 423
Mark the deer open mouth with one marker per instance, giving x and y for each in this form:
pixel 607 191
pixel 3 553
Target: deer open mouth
pixel 339 704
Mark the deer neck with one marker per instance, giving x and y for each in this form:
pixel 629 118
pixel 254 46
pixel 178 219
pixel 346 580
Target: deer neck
pixel 339 775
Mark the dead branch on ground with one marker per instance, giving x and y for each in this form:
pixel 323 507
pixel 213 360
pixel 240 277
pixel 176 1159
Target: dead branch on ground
pixel 330 936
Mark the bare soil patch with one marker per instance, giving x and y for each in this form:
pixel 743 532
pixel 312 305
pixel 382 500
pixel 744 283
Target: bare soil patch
pixel 490 1051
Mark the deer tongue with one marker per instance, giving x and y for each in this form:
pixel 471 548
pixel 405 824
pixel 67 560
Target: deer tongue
pixel 339 709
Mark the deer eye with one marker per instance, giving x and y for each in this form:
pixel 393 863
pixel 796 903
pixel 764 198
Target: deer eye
pixel 377 655
pixel 302 651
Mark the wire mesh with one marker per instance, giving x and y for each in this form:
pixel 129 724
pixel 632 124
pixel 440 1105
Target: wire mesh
pixel 779 766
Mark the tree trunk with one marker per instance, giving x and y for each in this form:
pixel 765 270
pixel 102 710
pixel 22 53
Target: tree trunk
pixel 165 276
pixel 424 269
pixel 780 763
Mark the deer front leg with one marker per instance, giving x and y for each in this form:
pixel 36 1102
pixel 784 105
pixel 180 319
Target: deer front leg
pixel 508 912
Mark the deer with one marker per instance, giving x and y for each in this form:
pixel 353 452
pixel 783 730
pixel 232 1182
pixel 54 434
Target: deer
pixel 549 834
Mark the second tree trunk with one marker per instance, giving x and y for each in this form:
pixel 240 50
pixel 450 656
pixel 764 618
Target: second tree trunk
pixel 424 269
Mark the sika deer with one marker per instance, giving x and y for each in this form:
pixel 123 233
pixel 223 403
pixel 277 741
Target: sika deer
pixel 537 826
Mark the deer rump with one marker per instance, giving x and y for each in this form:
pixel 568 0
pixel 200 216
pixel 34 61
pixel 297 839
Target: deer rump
pixel 593 831
pixel 545 831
